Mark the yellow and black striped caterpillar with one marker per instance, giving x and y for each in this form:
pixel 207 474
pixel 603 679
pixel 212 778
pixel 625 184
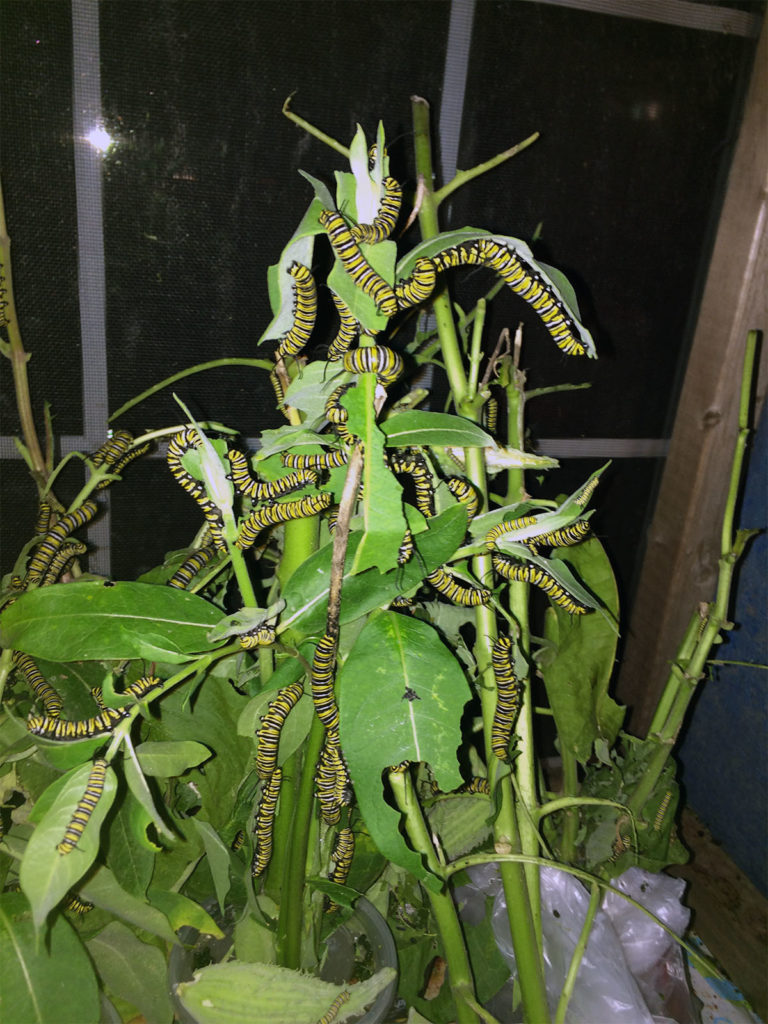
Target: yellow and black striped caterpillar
pixel 524 280
pixel 349 329
pixel 478 784
pixel 343 852
pixel 187 571
pixel 259 491
pixel 116 454
pixel 184 441
pixel 53 728
pixel 530 573
pixel 406 549
pixel 465 493
pixel 562 538
pixel 50 544
pixel 41 688
pixel 510 526
pixel 280 512
pixel 338 415
pixel 77 905
pixel 265 821
pixel 378 359
pixel 331 780
pixel 322 684
pixel 414 464
pixel 304 311
pixel 328 460
pixel 355 264
pixel 507 697
pixel 60 561
pixel 268 733
pixel 82 814
pixel 238 840
pixel 419 286
pixel 261 636
pixel 445 584
pixel 331 1013
pixel 386 219
pixel 658 821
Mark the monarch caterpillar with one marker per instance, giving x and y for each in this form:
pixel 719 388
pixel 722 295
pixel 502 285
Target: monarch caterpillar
pixel 304 311
pixel 385 220
pixel 349 329
pixel 330 780
pixel 76 905
pixel 401 602
pixel 141 689
pixel 187 571
pixel 333 518
pixel 406 549
pixel 333 1009
pixel 419 286
pixel 265 820
pixel 524 280
pixel 465 493
pixel 52 728
pixel 261 636
pixel 98 698
pixel 43 521
pixel 52 541
pixel 378 359
pixel 446 585
pixel 531 573
pixel 398 769
pixel 259 491
pixel 322 684
pixel 237 842
pixel 415 465
pixel 355 264
pixel 280 512
pixel 41 688
pixel 620 845
pixel 564 537
pixel 492 416
pixel 660 813
pixel 180 444
pixel 479 784
pixel 82 814
pixel 334 410
pixel 507 699
pixel 113 449
pixel 277 387
pixel 586 492
pixel 268 733
pixel 60 560
pixel 510 526
pixel 343 852
pixel 328 460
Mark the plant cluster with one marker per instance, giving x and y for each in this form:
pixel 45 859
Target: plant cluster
pixel 333 690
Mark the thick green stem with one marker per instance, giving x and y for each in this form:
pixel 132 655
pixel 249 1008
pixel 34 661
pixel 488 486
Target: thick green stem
pixel 444 909
pixel 578 955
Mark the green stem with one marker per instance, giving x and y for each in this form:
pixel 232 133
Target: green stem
pixel 310 129
pixel 571 822
pixel 443 907
pixel 578 955
pixel 462 177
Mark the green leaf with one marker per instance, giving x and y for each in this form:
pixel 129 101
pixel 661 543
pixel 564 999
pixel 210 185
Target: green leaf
pixel 218 859
pixel 462 821
pixel 130 854
pixel 51 982
pixel 45 874
pixel 306 593
pixel 401 684
pixel 97 619
pixel 184 912
pixel 434 428
pixel 577 677
pixel 172 758
pixel 103 890
pixel 133 970
pixel 227 994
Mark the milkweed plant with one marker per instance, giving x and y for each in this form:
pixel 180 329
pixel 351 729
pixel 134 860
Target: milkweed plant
pixel 333 688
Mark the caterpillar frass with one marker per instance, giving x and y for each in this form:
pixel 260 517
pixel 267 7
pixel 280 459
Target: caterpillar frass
pixel 60 561
pixel 510 526
pixel 385 220
pixel 331 1013
pixel 507 697
pixel 343 852
pixel 187 571
pixel 268 733
pixel 259 491
pixel 261 636
pixel 322 684
pixel 464 492
pixel 446 585
pixel 265 821
pixel 181 443
pixel 562 538
pixel 41 688
pixel 304 311
pixel 349 330
pixel 530 573
pixel 419 286
pixel 328 460
pixel 280 512
pixel 378 359
pixel 524 280
pixel 82 814
pixel 50 544
pixel 355 264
